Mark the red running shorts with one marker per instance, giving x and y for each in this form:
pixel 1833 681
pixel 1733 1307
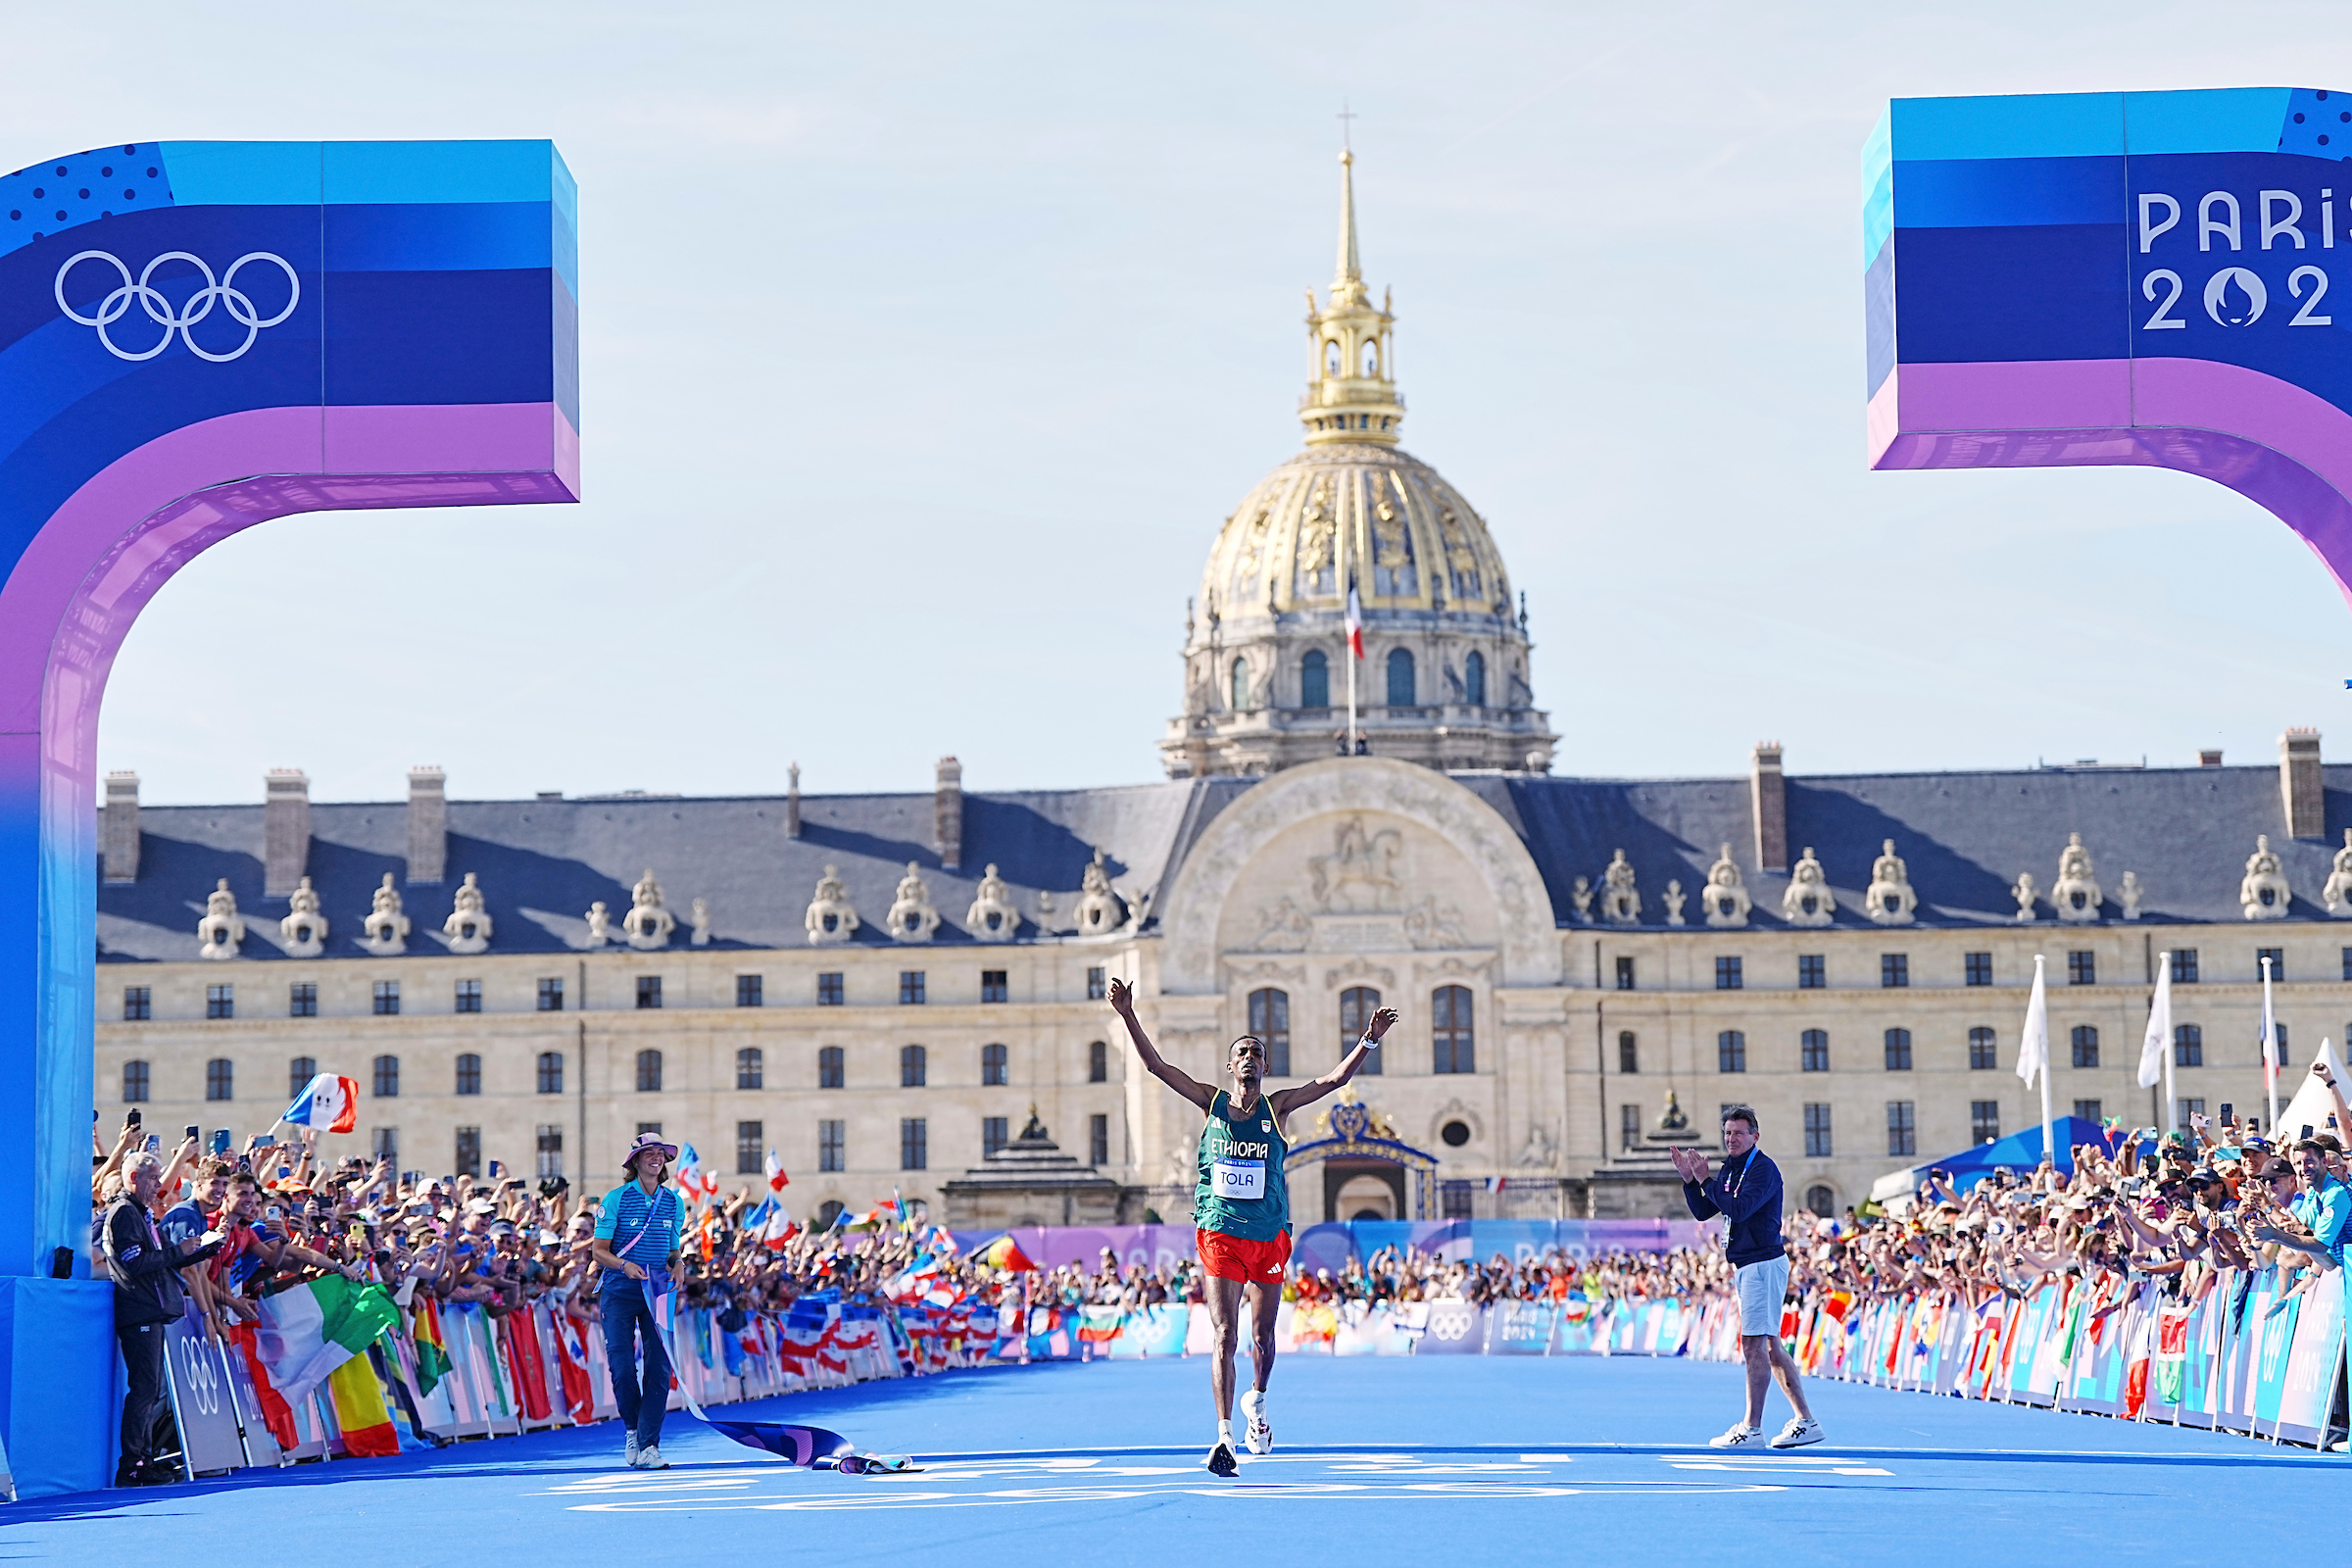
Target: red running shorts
pixel 1236 1258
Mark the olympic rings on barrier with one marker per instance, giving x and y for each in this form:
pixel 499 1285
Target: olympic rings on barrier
pixel 223 291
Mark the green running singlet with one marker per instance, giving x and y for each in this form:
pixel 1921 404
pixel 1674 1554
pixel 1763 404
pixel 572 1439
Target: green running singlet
pixel 1242 1190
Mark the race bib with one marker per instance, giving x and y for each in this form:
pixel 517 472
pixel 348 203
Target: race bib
pixel 1238 1178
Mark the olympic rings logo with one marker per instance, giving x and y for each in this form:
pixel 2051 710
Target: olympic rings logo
pixel 223 291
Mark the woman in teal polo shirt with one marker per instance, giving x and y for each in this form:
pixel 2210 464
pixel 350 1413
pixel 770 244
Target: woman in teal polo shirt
pixel 637 1237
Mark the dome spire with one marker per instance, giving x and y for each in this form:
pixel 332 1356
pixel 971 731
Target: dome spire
pixel 1351 394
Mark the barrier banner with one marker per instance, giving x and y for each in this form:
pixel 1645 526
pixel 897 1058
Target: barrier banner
pixel 261 1445
pixel 1153 1331
pixel 2314 1361
pixel 1455 1328
pixel 1520 1328
pixel 198 1384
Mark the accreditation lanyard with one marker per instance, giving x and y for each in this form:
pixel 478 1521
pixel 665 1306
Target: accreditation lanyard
pixel 1731 1188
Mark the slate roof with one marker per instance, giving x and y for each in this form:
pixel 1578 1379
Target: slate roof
pixel 2187 832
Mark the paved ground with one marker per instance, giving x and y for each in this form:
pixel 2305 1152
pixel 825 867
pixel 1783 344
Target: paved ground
pixel 1101 1463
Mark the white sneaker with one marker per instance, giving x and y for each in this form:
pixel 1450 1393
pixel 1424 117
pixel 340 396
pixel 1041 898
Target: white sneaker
pixel 630 1450
pixel 1258 1435
pixel 1799 1431
pixel 650 1457
pixel 1741 1436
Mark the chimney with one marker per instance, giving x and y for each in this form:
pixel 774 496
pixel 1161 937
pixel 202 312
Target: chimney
pixel 2299 784
pixel 285 830
pixel 122 838
pixel 2210 756
pixel 792 805
pixel 950 818
pixel 428 824
pixel 1768 794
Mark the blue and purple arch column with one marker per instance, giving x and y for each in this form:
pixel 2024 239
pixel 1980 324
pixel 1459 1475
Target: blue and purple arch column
pixel 2161 279
pixel 196 337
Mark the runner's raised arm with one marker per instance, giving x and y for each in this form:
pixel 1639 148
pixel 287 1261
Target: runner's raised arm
pixel 1306 1094
pixel 1122 1002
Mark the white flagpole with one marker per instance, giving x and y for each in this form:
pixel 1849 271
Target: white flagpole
pixel 2034 1052
pixel 2270 1052
pixel 1349 656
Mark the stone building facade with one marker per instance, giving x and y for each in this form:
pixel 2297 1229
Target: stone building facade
pixel 903 991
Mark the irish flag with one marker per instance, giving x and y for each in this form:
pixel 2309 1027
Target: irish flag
pixel 327 1102
pixel 319 1334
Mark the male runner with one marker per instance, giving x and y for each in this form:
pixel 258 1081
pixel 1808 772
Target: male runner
pixel 1242 1206
pixel 1746 1193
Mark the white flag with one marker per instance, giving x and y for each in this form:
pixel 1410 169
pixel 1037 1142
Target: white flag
pixel 2033 1045
pixel 2270 1037
pixel 2160 1025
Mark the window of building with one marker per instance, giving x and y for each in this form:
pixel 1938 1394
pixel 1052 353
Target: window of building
pixel 221 1079
pixel 1241 685
pixel 300 1070
pixel 1629 1051
pixel 1401 678
pixel 2082 968
pixel 1454 1134
pixel 1097 1138
pixel 1450 1032
pixel 914 1066
pixel 1629 1126
pixel 1821 1199
pixel 914 1144
pixel 384 1143
pixel 1270 1021
pixel 1898 1051
pixel 2188 1046
pixel 302 1000
pixel 2190 1107
pixel 828 1067
pixel 1314 680
pixel 1813 1050
pixel 1726 974
pixel 469 1073
pixel 827 1212
pixel 1978 969
pixel 1357 1004
pixel 1895 970
pixel 751 989
pixel 1098 983
pixel 1982 1053
pixel 2348 963
pixel 751 1068
pixel 1812 971
pixel 992 987
pixel 2275 959
pixel 1731 1051
pixel 550 1072
pixel 2086 1039
pixel 992 1135
pixel 1901 1134
pixel 1817 1132
pixel 2184 966
pixel 2090 1110
pixel 470 996
pixel 2278 1042
pixel 387 998
pixel 649 1072
pixel 750 1142
pixel 1453 1200
pixel 551 994
pixel 828 989
pixel 385 1077
pixel 550 1150
pixel 1474 679
pixel 648 1129
pixel 469 1152
pixel 996 1067
pixel 134 1083
pixel 138 1003
pixel 649 992
pixel 1984 1120
pixel 911 988
pixel 219 1001
pixel 1625 974
pixel 1097 1060
pixel 831 1141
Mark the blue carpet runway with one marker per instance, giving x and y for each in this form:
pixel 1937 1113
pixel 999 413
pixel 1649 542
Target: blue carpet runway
pixel 1067 1463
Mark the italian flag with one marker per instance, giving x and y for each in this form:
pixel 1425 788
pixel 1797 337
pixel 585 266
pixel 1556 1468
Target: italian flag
pixel 317 1334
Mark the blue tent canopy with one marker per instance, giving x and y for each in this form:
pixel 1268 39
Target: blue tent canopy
pixel 2020 1150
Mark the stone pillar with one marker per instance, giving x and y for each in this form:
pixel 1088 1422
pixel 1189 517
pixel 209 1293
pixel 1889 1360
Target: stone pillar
pixel 428 824
pixel 1768 794
pixel 121 832
pixel 285 830
pixel 949 798
pixel 2299 784
pixel 792 805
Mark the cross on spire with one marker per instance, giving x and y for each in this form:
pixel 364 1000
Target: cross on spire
pixel 1343 117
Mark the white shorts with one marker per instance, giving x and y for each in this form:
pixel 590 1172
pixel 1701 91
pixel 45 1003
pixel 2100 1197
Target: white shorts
pixel 1761 1287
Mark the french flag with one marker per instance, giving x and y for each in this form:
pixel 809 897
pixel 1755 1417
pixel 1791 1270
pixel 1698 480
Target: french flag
pixel 777 1181
pixel 329 1103
pixel 1355 622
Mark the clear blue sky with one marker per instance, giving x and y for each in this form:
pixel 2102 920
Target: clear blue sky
pixel 924 348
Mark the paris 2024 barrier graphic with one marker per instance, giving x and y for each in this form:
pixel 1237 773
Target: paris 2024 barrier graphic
pixel 2099 279
pixel 196 337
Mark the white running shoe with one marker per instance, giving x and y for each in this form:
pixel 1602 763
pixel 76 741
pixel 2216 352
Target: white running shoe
pixel 650 1457
pixel 1221 1462
pixel 631 1452
pixel 1799 1431
pixel 1259 1436
pixel 1741 1436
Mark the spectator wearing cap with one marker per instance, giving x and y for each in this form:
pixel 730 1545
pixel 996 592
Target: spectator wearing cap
pixel 2323 1205
pixel 147 1299
pixel 639 1230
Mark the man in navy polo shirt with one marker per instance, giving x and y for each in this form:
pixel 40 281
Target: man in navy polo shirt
pixel 1746 1193
pixel 637 1238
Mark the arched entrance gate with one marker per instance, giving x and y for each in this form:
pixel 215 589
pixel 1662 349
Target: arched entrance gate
pixel 1360 1148
pixel 196 337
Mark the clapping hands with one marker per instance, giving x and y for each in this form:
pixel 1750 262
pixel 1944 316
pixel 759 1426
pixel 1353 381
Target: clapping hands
pixel 1692 1165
